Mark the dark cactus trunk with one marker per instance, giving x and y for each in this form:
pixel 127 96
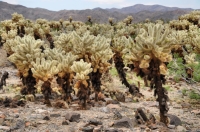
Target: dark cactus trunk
pixel 29 82
pixel 49 38
pixel 119 64
pixel 65 83
pixel 3 79
pixel 83 94
pixel 145 81
pixel 158 80
pixel 96 82
pixel 1 44
pixel 46 90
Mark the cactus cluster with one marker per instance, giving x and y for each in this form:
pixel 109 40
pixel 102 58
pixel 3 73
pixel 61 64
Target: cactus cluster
pixel 77 54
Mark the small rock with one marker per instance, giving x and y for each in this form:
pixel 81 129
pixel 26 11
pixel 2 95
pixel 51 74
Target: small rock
pixel 17 97
pixel 151 104
pixel 72 117
pixel 27 124
pixel 61 104
pixel 171 126
pixel 16 116
pixel 42 121
pixel 113 106
pixel 5 128
pixel 94 122
pixel 124 122
pixel 65 123
pixel 177 106
pixel 88 129
pixel 120 97
pixel 1 120
pixel 104 109
pixel 46 118
pixel 112 102
pixel 39 96
pixel 41 111
pixel 117 115
pixel 2 115
pixel 55 115
pixel 36 116
pixel 113 130
pixel 180 129
pixel 74 98
pixel 153 126
pixel 108 100
pixel 197 112
pixel 147 130
pixel 185 105
pixel 34 124
pixel 98 128
pixel 174 120
pixel 92 96
pixel 143 126
pixel 128 99
pixel 18 125
pixel 9 119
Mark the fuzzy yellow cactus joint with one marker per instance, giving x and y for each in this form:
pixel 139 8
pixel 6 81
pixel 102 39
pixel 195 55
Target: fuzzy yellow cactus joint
pixel 82 69
pixel 25 53
pixel 44 69
pixel 154 42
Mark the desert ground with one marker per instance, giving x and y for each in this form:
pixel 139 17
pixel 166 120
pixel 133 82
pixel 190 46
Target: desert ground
pixel 109 114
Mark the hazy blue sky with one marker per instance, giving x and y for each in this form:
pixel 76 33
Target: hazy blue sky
pixel 90 4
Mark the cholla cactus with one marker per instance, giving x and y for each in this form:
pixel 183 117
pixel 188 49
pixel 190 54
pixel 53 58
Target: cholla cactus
pixel 190 59
pixel 110 20
pixel 64 42
pixel 89 19
pixel 192 17
pixel 70 19
pixel 118 44
pixel 147 20
pixel 150 44
pixel 41 21
pixel 16 17
pixel 94 50
pixel 150 52
pixel 159 22
pixel 9 35
pixel 126 31
pixel 101 29
pixel 180 24
pixel 45 70
pixel 25 53
pixel 65 74
pixel 128 20
pixel 194 38
pixel 8 40
pixel 82 70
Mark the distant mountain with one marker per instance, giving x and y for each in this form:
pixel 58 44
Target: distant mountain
pixel 139 12
pixel 152 8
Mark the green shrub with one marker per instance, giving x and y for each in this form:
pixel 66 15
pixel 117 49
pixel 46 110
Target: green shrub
pixel 177 68
pixel 167 88
pixel 184 92
pixel 113 71
pixel 194 95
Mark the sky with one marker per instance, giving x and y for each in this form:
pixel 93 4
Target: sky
pixel 57 5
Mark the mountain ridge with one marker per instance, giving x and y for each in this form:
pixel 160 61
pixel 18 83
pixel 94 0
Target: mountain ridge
pixel 139 12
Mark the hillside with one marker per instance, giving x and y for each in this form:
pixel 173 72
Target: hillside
pixel 139 12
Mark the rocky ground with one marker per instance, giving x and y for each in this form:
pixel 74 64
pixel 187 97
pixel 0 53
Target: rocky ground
pixel 110 115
